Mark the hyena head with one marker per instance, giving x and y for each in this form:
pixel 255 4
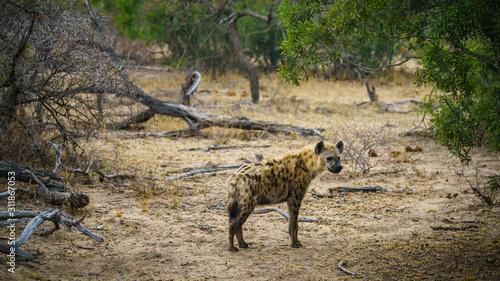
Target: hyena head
pixel 330 155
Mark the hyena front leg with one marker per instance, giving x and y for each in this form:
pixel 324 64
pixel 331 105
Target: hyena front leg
pixel 293 204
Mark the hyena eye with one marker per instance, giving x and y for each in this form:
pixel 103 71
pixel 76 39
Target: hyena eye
pixel 329 158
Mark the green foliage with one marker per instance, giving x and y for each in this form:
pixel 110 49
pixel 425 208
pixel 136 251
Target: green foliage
pixel 457 43
pixel 194 38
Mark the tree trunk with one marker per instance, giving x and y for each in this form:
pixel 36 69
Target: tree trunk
pixel 252 73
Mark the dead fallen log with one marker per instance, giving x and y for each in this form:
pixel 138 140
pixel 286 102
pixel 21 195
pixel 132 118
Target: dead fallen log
pixel 53 215
pixel 454 227
pixel 51 180
pixel 75 200
pixel 5 248
pixel 16 190
pixel 11 222
pixel 221 147
pixel 281 212
pixel 369 188
pixel 138 118
pixel 18 214
pixel 464 221
pixel 341 266
pixel 200 171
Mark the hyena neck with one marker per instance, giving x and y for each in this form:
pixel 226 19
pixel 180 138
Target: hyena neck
pixel 312 162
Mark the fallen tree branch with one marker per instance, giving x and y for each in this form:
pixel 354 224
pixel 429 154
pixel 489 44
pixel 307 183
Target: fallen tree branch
pixel 464 221
pixel 220 147
pixel 341 266
pixel 454 227
pixel 200 171
pixel 17 190
pixel 281 212
pixel 51 180
pixel 19 214
pixel 396 210
pixel 11 222
pixel 75 200
pixel 53 215
pixel 236 104
pixel 138 118
pixel 369 188
pixel 5 248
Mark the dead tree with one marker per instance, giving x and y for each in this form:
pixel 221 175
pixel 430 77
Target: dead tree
pixel 189 87
pixel 232 20
pixel 195 118
pixel 371 91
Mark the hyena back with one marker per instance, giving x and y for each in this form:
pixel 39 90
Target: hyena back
pixel 276 181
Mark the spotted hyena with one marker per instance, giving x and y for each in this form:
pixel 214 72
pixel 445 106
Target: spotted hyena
pixel 275 181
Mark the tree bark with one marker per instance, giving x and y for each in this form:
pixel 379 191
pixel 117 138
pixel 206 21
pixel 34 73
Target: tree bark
pixel 252 73
pixel 189 87
pixel 50 180
pixel 371 91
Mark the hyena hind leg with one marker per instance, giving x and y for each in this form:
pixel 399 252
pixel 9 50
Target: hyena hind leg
pixel 235 228
pixel 239 236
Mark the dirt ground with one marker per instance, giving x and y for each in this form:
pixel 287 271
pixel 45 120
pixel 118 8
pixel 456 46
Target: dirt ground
pixel 159 230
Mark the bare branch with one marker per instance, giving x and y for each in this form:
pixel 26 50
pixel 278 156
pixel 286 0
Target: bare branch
pixel 383 66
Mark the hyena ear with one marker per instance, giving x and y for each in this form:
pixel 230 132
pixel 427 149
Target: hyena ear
pixel 340 146
pixel 320 146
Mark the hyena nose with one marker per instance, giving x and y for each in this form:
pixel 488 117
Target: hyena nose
pixel 337 169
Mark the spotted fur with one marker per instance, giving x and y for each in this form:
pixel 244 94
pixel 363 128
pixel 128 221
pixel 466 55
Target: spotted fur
pixel 278 180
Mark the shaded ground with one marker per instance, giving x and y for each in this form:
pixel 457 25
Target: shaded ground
pixel 175 231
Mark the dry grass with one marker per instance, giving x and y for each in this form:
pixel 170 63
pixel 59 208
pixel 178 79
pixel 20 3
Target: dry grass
pixel 159 230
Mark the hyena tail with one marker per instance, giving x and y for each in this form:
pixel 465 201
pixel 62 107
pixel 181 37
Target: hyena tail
pixel 232 208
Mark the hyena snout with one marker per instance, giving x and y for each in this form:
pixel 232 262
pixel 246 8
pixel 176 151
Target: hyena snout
pixel 335 168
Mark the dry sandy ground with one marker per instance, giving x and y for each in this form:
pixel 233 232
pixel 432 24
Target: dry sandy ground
pixel 155 230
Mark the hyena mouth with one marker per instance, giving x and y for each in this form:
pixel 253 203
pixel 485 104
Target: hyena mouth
pixel 335 169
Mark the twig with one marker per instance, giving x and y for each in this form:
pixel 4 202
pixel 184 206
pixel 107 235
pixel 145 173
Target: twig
pixel 10 222
pixel 396 210
pixel 85 248
pixel 220 147
pixel 153 68
pixel 464 221
pixel 58 156
pixel 484 197
pixel 236 104
pixel 18 214
pixel 5 248
pixel 76 200
pixel 281 212
pixel 369 188
pixel 17 190
pixel 200 171
pixel 453 227
pixel 341 266
pixel 83 230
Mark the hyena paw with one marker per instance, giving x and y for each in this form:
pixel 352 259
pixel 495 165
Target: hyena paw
pixel 233 249
pixel 296 245
pixel 244 245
